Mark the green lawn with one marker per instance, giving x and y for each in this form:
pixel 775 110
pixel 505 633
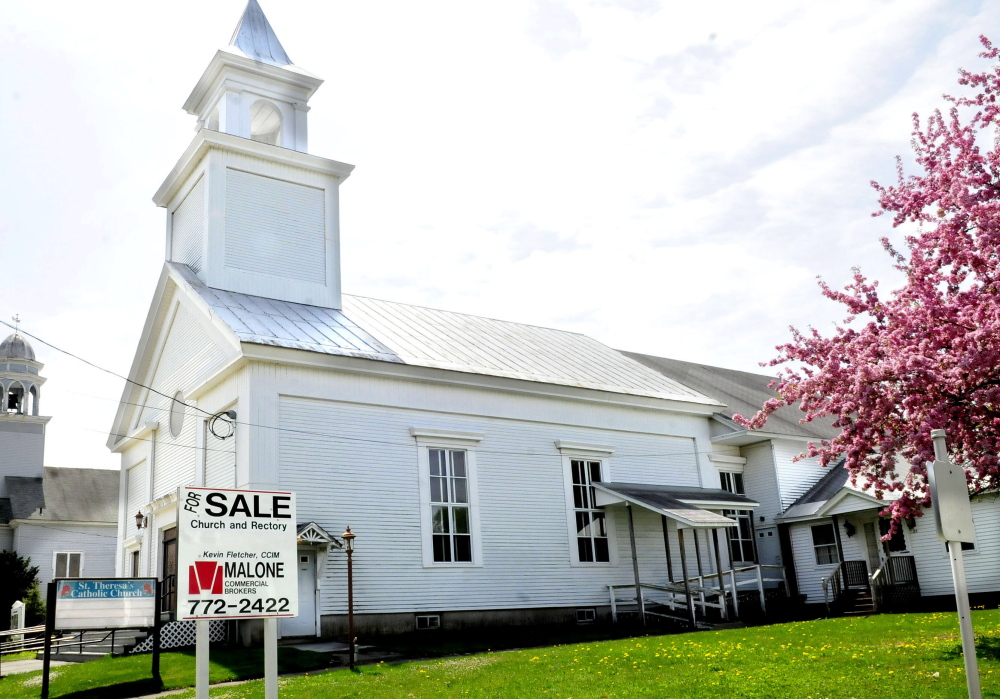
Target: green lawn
pixel 110 678
pixel 883 657
pixel 904 656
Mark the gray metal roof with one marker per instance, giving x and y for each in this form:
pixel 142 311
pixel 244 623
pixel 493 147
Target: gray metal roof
pixel 671 501
pixel 413 335
pixel 16 347
pixel 255 38
pixel 66 494
pixel 742 392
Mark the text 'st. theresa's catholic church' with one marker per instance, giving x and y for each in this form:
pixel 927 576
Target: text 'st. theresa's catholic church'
pixel 494 472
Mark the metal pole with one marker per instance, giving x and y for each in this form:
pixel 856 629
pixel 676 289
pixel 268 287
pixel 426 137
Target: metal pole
pixel 687 583
pixel 157 626
pixel 666 548
pixel 635 566
pixel 271 658
pixel 718 568
pixel 201 659
pixel 350 608
pixel 50 622
pixel 965 620
pixel 961 591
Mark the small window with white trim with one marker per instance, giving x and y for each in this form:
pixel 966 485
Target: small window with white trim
pixel 825 544
pixel 426 622
pixel 586 616
pixel 68 564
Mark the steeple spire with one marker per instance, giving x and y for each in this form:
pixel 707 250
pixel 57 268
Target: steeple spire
pixel 255 38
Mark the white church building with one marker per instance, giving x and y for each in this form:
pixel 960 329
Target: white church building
pixel 494 472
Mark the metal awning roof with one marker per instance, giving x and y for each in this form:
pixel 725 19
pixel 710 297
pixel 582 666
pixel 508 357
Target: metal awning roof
pixel 681 504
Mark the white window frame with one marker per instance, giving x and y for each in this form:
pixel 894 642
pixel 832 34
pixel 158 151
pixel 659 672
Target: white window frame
pixel 55 558
pixel 575 451
pixel 131 545
pixel 816 547
pixel 433 438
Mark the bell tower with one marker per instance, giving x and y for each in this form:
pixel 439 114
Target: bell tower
pixel 248 209
pixel 22 429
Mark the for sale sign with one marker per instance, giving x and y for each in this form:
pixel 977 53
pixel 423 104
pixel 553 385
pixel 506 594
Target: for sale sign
pixel 236 554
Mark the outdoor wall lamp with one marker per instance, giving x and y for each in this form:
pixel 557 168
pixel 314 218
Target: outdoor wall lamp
pixel 140 520
pixel 850 528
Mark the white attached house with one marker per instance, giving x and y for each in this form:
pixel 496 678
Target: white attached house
pixel 63 519
pixel 824 530
pixel 494 472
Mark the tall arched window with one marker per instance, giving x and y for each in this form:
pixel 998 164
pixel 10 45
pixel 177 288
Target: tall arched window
pixel 265 123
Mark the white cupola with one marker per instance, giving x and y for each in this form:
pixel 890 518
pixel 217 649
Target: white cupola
pixel 248 209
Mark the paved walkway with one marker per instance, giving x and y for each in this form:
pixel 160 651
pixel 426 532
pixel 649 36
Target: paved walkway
pixel 15 667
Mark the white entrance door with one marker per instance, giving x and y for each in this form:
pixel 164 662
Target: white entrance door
pixel 305 623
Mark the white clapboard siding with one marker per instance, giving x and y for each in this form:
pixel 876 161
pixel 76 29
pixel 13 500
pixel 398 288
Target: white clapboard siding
pixel 275 227
pixel 761 481
pixel 97 543
pixel 220 462
pixel 187 354
pixel 794 478
pixel 22 452
pixel 136 495
pixel 982 566
pixel 187 230
pixel 370 481
pixel 809 574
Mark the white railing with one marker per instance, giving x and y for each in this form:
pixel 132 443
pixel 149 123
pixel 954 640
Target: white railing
pixel 833 585
pixel 674 594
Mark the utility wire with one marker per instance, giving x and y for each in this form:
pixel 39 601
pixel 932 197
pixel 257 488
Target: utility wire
pixel 311 433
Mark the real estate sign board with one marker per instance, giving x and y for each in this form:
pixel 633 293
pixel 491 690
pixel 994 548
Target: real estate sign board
pixel 111 603
pixel 236 554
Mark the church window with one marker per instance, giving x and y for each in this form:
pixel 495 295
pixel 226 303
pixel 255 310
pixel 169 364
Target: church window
pixel 591 525
pixel 68 564
pixel 449 499
pixel 451 524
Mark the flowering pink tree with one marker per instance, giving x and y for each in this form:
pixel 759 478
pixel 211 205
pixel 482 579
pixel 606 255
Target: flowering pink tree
pixel 926 355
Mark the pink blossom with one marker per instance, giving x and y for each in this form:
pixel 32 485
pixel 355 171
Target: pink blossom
pixel 926 355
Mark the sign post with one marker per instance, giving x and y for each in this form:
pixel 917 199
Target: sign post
pixel 236 556
pixel 953 517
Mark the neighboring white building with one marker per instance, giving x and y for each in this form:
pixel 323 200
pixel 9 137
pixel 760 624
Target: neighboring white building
pixel 818 525
pixel 63 519
pixel 494 472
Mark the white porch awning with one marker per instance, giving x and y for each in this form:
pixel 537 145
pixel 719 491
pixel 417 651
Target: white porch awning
pixel 684 505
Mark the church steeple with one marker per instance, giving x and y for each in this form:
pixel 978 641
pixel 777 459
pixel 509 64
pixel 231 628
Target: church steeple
pixel 248 209
pixel 255 38
pixel 252 89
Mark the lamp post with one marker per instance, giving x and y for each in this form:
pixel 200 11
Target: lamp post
pixel 348 538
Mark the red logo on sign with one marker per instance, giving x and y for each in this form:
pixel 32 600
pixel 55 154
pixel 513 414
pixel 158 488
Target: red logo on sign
pixel 65 591
pixel 205 577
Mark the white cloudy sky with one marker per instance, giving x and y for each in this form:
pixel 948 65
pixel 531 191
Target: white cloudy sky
pixel 666 177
